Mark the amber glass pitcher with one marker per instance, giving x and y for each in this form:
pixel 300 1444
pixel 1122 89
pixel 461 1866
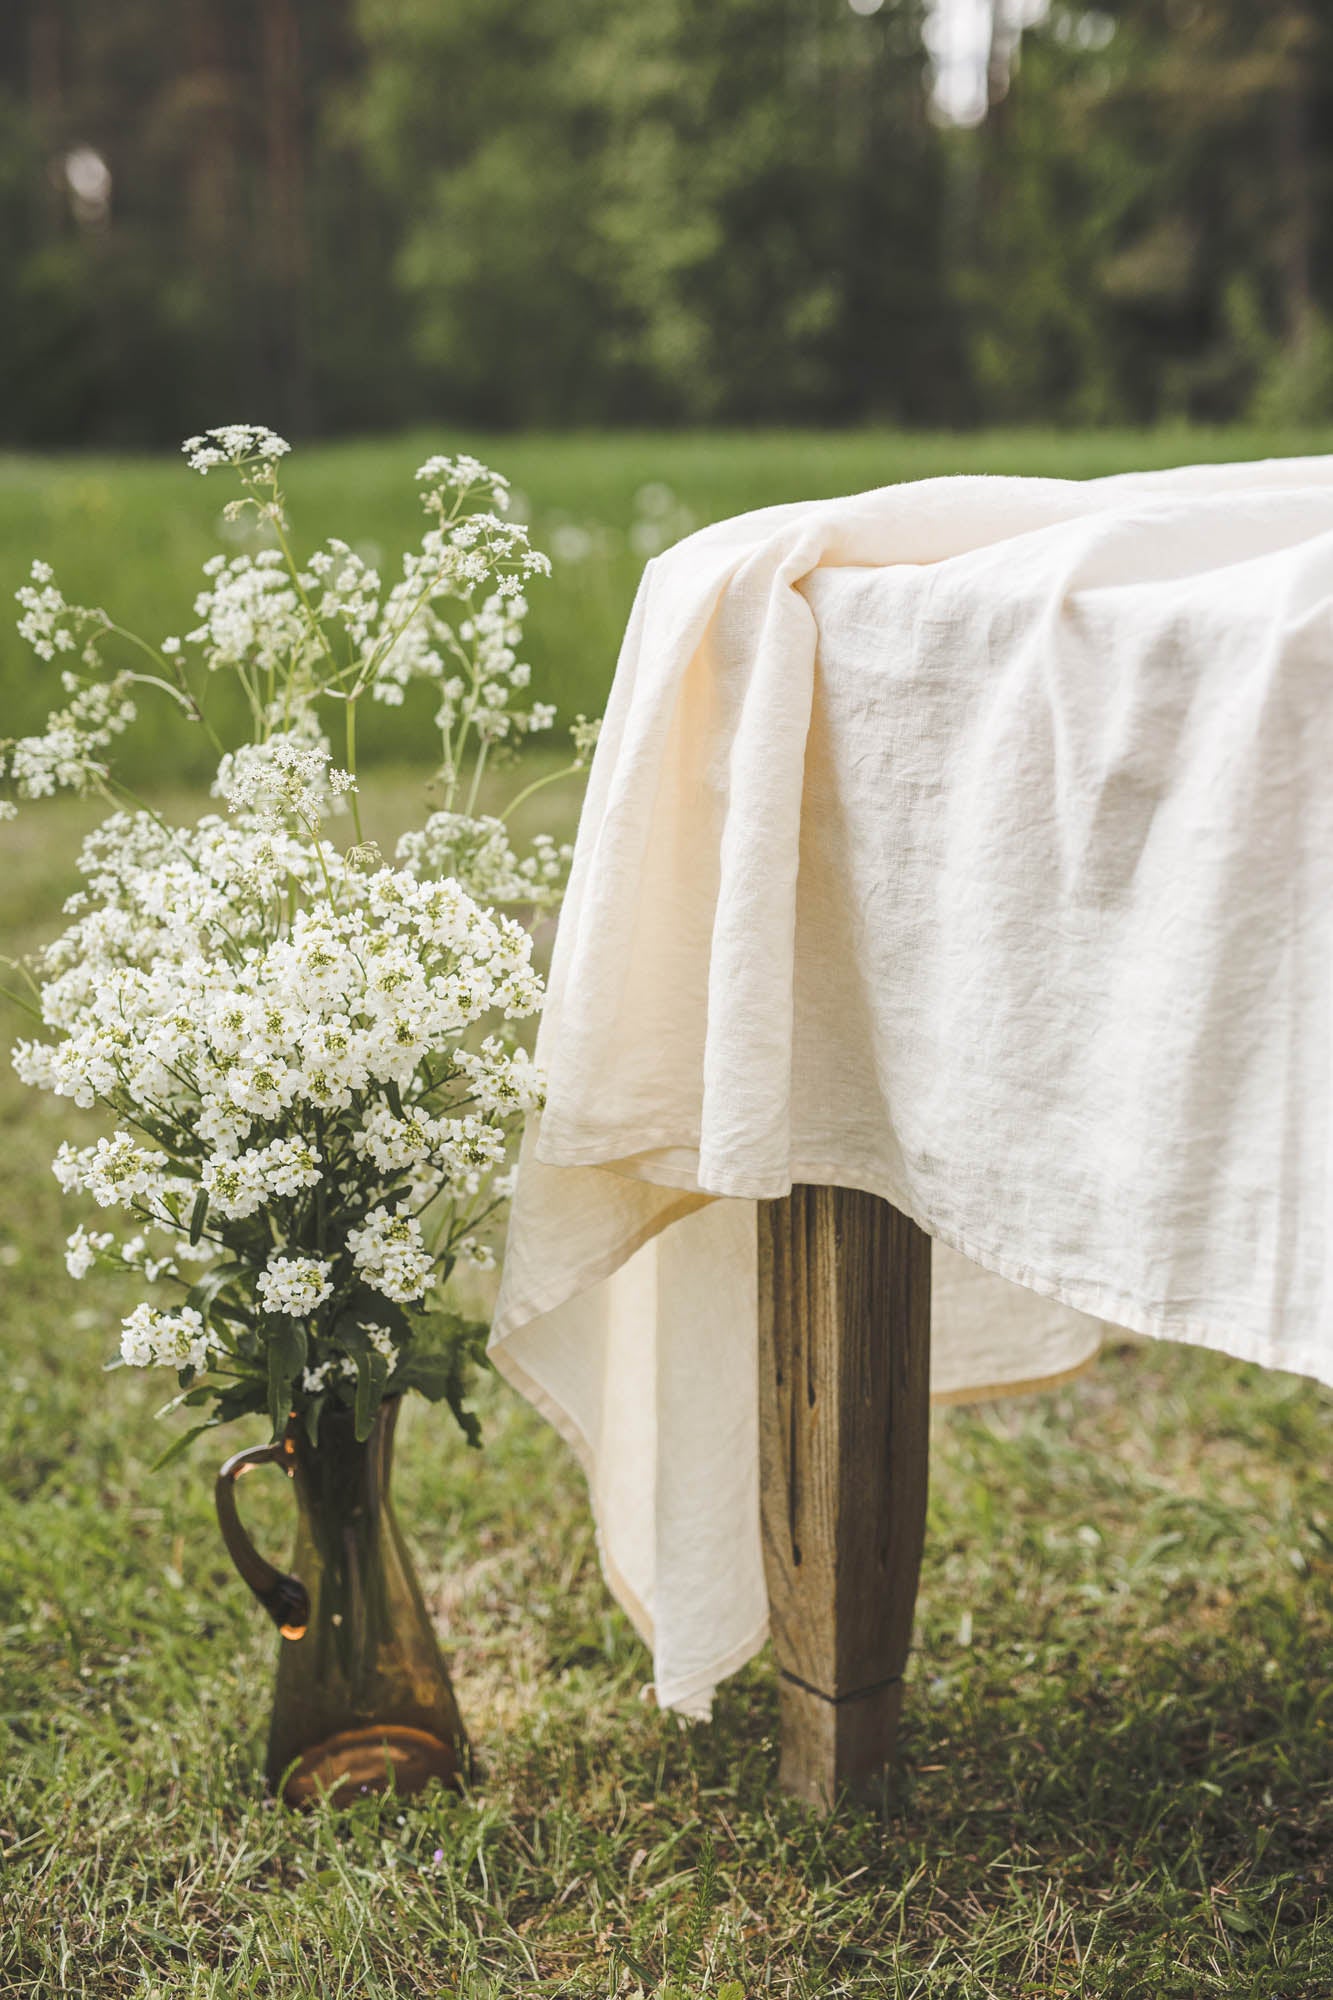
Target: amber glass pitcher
pixel 363 1698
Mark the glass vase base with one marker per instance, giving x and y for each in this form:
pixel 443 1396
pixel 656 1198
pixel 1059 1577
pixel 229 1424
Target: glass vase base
pixel 362 1763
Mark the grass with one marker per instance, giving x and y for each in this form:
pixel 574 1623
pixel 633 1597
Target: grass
pixel 131 534
pixel 1118 1748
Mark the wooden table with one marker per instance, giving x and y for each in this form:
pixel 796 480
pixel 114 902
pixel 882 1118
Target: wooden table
pixel 844 1363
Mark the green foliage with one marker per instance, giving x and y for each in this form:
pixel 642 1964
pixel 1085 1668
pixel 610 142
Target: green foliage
pixel 1296 386
pixel 339 215
pixel 1148 216
pixel 1118 1736
pixel 442 1365
pixel 690 207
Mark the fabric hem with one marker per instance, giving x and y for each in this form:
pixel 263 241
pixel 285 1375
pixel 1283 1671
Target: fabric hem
pixel 676 1695
pixel 520 1312
pixel 1097 1301
pixel 1032 1385
pixel 561 1421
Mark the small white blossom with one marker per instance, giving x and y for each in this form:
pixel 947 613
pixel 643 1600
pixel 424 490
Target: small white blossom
pixel 171 1340
pixel 391 1256
pixel 502 1078
pixel 294 1285
pixel 234 444
pixel 240 1183
pixel 65 757
pixel 382 1341
pixel 295 1043
pixel 479 1256
pixel 82 1249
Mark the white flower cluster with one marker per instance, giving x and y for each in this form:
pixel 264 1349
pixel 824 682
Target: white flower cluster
pixel 478 852
pixel 251 616
pixel 171 1340
pixel 65 756
pixel 447 480
pixel 302 1050
pixel 315 1380
pixel 501 1079
pixel 238 1184
pixel 349 590
pixel 475 665
pixel 47 618
pixel 235 445
pixel 294 1286
pixel 391 1255
pixel 302 1068
pixel 285 774
pixel 83 1248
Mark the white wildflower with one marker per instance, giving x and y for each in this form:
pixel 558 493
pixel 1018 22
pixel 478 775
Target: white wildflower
pixel 502 1078
pixel 170 1340
pixel 82 1250
pixel 236 445
pixel 475 1255
pixel 277 1026
pixel 240 1183
pixel 294 1286
pixel 391 1255
pixel 382 1341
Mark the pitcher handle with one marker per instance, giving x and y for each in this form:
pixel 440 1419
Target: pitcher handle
pixel 285 1598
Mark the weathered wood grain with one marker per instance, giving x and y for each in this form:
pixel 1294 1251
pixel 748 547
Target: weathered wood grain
pixel 844 1359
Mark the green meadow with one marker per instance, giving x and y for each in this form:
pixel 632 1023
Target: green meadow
pixel 131 534
pixel 1117 1775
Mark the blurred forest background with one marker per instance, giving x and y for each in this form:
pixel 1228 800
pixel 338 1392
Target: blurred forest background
pixel 356 215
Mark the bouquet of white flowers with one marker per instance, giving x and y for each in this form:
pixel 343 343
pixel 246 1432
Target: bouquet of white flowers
pixel 308 1054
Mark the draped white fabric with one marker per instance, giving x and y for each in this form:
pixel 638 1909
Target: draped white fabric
pixel 969 842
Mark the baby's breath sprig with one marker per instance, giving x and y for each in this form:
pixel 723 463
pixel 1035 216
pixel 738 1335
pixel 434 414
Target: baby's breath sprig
pixel 306 1055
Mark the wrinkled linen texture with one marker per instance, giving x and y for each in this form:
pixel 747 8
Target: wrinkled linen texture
pixel 969 842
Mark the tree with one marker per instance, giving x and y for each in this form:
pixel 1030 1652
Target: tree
pixel 1158 237
pixel 684 210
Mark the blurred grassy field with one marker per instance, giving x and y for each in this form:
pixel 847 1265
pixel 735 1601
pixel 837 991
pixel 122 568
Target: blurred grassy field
pixel 131 534
pixel 1118 1776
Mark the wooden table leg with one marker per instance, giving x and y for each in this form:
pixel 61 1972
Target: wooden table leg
pixel 844 1360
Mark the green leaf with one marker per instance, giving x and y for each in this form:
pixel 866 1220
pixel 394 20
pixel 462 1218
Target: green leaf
pixel 245 1399
pixel 432 1373
pixel 363 1307
pixel 183 1442
pixel 202 1295
pixel 198 1215
pixel 372 1372
pixel 286 1355
pixel 312 1415
pixel 238 1315
pixel 442 1370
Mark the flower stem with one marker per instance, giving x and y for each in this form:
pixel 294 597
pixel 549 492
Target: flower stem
pixel 351 765
pixel 538 785
pixel 181 692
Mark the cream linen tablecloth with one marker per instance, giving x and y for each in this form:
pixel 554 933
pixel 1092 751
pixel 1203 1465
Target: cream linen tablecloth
pixel 970 842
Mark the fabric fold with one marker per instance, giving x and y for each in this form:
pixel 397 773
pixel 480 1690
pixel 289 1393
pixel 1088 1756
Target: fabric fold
pixel 968 842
